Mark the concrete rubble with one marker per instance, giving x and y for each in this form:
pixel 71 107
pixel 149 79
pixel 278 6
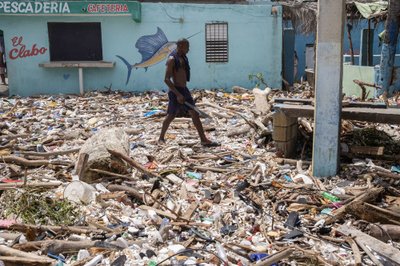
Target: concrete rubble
pixel 181 203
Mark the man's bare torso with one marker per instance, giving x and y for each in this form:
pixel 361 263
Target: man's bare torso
pixel 179 75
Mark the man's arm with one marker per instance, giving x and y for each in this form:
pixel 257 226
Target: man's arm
pixel 167 80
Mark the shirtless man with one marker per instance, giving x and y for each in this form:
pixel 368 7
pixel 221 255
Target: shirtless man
pixel 178 70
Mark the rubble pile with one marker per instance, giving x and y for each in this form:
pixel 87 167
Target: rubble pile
pixel 84 182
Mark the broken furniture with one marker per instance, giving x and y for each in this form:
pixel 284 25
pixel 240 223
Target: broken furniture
pixel 287 111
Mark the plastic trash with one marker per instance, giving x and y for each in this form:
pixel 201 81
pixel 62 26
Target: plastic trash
pixel 301 177
pixel 260 99
pixel 152 112
pixel 194 175
pixel 80 192
pixel 257 256
pixel 95 260
pixel 83 254
pixel 221 252
pixel 395 169
pixel 330 197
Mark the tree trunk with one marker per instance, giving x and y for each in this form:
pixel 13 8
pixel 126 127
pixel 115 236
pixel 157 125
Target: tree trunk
pixel 389 48
pixel 99 158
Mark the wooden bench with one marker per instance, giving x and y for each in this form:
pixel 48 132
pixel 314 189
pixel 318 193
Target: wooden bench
pixel 80 65
pixel 286 116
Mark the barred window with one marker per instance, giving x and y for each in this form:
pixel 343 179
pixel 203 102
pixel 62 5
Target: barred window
pixel 217 42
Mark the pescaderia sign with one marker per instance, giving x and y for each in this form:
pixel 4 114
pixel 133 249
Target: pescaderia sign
pixel 71 8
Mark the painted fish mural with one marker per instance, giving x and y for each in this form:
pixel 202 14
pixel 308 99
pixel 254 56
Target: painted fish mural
pixel 153 48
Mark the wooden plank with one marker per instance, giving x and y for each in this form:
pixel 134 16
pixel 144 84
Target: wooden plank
pixel 344 104
pixel 363 239
pixel 18 261
pixel 367 150
pixel 159 212
pixel 189 213
pixel 375 115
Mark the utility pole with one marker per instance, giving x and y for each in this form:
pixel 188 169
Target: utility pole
pixel 328 91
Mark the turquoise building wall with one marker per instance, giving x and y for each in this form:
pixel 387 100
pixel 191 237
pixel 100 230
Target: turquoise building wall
pixel 301 40
pixel 255 45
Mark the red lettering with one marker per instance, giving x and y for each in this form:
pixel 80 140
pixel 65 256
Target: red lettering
pixel 22 52
pixel 125 8
pixel 117 8
pixel 12 52
pixel 90 8
pixel 16 41
pixel 34 51
pixel 26 53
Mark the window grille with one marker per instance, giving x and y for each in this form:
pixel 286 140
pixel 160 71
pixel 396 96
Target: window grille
pixel 217 42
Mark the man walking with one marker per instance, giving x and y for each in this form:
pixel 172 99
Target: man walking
pixel 178 70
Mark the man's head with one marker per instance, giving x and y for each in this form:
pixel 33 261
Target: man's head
pixel 182 46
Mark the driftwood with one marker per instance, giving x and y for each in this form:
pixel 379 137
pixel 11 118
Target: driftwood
pixel 356 251
pixel 264 131
pixel 385 232
pixel 107 173
pixel 7 251
pixel 291 161
pixel 159 212
pixel 99 158
pixel 212 169
pixel 61 246
pixel 57 229
pixel 6 186
pixel 18 261
pixel 388 175
pixel 55 246
pixel 133 163
pixel 31 163
pixel 81 164
pixel 367 150
pixel 366 196
pixel 49 154
pixel 367 243
pixel 239 131
pixel 231 112
pixel 141 197
pixel 374 214
pixel 133 131
pixel 276 257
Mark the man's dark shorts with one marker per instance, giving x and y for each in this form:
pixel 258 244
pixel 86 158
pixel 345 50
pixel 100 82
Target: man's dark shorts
pixel 174 107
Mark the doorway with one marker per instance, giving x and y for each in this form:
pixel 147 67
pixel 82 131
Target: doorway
pixel 3 68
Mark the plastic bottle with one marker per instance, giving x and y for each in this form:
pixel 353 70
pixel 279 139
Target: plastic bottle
pixel 330 197
pixel 221 253
pixel 152 263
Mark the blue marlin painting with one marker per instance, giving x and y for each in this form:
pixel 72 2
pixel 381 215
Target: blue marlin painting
pixel 153 48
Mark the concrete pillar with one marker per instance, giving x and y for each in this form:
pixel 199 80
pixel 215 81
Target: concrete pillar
pixel 328 92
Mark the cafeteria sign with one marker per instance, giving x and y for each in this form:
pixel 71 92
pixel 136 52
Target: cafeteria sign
pixel 71 8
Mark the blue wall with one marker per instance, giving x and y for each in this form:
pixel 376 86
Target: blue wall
pixel 255 45
pixel 302 40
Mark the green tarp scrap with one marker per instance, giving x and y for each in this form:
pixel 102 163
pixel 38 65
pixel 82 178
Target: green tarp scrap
pixel 370 10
